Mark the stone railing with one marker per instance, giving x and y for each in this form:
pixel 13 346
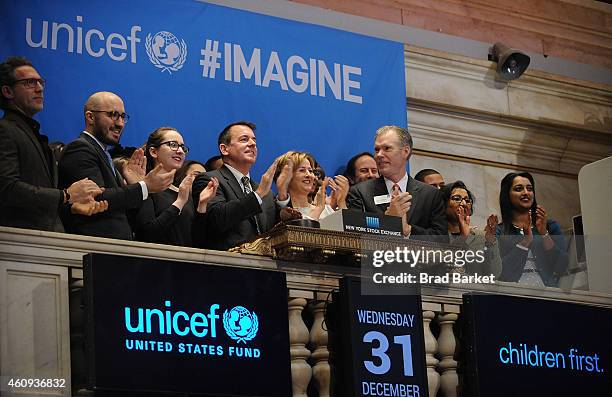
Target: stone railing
pixel 37 268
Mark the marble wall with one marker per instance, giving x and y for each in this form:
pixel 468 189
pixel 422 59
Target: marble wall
pixel 558 194
pixel 578 30
pixel 472 127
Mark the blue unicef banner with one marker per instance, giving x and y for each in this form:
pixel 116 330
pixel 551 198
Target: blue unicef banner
pixel 199 67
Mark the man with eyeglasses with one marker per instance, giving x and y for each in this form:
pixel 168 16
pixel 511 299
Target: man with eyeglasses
pixel 395 193
pixel 29 197
pixel 88 156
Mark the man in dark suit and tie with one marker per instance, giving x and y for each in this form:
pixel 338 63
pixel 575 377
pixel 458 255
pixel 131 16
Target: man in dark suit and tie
pixel 88 157
pixel 29 197
pixel 241 208
pixel 396 193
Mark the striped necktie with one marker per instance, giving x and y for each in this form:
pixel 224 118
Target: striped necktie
pixel 246 182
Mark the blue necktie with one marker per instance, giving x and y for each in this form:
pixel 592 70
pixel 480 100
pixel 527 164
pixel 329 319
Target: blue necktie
pixel 110 160
pixel 117 176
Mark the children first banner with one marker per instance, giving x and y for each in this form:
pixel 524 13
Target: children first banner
pixel 198 67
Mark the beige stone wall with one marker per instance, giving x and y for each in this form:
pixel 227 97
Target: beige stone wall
pixel 578 30
pixel 472 127
pixel 558 194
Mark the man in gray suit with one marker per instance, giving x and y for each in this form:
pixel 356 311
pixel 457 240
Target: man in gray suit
pixel 28 171
pixel 395 193
pixel 241 208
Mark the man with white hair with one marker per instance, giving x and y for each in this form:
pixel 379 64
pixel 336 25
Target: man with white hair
pixel 395 193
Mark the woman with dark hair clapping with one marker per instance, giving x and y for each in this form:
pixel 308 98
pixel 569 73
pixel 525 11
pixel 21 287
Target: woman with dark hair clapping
pixel 459 209
pixel 532 246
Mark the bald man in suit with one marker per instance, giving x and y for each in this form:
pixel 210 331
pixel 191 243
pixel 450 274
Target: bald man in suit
pixel 88 157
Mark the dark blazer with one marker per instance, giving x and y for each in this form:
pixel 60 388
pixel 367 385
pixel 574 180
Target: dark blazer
pixel 229 218
pixel 28 177
pixel 550 264
pixel 84 158
pixel 426 214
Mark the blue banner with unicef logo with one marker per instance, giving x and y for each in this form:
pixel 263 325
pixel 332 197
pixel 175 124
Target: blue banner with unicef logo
pixel 198 67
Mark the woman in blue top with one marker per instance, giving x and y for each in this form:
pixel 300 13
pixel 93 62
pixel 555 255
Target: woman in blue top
pixel 532 246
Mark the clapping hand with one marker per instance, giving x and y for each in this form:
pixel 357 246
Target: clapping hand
pixel 83 191
pixel 89 208
pixel 184 191
pixel 320 200
pixel 158 179
pixel 464 221
pixel 489 230
pixel 266 180
pixel 541 220
pixel 136 167
pixel 399 206
pixel 283 179
pixel 400 203
pixel 340 187
pixel 207 193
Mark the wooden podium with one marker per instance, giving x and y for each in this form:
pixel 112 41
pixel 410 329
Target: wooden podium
pixel 306 244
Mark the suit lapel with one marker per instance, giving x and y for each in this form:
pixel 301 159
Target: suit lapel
pixel 102 157
pixel 231 181
pixel 413 188
pixel 237 189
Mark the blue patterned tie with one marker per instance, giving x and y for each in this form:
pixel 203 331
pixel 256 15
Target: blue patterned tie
pixel 110 160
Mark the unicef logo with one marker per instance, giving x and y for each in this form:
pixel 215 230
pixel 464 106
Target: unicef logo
pixel 240 324
pixel 166 52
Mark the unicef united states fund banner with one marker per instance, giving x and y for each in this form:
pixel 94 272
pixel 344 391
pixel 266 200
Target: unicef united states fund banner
pixel 198 67
pixel 163 326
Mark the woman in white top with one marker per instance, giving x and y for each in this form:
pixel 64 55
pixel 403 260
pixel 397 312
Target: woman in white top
pixel 302 182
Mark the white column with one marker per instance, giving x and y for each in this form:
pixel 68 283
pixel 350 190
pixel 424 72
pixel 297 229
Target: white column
pixel 319 345
pixel 447 344
pixel 431 347
pixel 298 337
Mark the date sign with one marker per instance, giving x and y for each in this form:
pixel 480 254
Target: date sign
pixel 381 350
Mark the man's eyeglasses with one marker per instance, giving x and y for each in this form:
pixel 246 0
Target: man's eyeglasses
pixel 30 83
pixel 114 115
pixel 459 199
pixel 174 145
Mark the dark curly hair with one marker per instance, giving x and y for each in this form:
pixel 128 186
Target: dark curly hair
pixel 7 75
pixel 447 191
